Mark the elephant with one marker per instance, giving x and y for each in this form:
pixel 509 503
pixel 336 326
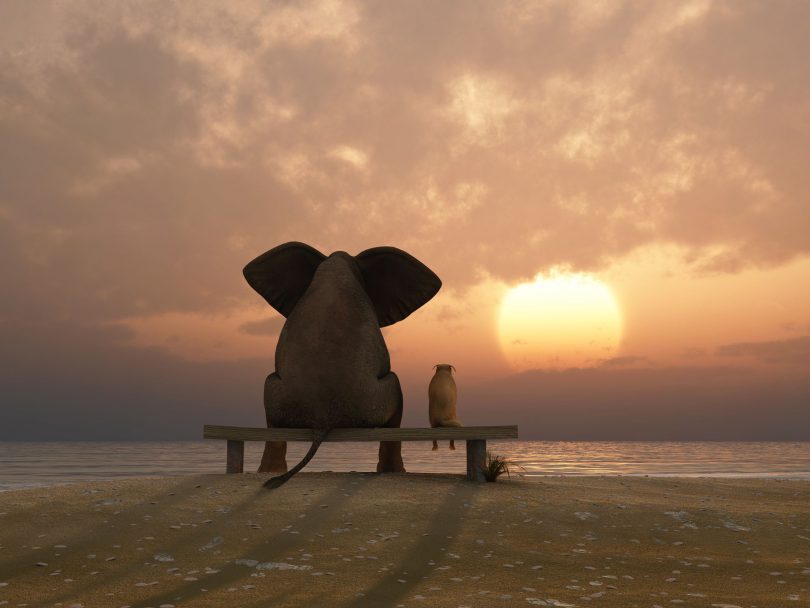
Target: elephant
pixel 332 365
pixel 442 395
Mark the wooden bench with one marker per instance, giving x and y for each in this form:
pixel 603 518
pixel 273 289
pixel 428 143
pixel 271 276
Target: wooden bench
pixel 475 436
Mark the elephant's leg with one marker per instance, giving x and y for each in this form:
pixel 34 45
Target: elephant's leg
pixel 452 444
pixel 390 454
pixel 274 458
pixel 435 445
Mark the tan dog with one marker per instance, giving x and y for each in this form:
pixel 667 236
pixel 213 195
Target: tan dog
pixel 442 395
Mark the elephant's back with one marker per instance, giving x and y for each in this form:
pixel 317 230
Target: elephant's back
pixel 332 341
pixel 330 357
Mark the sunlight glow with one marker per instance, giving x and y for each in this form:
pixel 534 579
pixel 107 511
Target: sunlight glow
pixel 560 320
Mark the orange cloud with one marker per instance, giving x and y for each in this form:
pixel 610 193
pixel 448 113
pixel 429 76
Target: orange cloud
pixel 148 151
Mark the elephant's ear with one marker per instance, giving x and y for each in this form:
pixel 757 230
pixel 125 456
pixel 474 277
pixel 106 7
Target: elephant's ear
pixel 396 282
pixel 282 275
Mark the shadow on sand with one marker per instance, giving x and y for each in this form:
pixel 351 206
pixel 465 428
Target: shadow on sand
pixel 274 548
pixel 445 522
pixel 82 540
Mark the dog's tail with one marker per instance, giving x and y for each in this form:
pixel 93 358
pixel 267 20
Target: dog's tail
pixel 279 480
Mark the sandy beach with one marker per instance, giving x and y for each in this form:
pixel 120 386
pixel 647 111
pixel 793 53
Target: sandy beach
pixel 333 539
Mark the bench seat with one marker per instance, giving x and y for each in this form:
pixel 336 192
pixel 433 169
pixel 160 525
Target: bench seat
pixel 475 436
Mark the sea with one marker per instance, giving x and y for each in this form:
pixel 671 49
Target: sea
pixel 37 464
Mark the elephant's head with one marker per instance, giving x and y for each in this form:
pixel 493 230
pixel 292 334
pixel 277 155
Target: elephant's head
pixel 332 365
pixel 395 282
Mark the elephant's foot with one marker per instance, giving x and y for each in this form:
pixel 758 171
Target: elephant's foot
pixel 452 444
pixel 274 458
pixel 435 445
pixel 390 458
pixel 390 455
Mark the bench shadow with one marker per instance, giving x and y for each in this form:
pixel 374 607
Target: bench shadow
pixel 182 492
pixel 199 535
pixel 273 548
pixel 445 521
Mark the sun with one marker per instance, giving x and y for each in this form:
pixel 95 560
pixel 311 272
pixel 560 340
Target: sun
pixel 560 320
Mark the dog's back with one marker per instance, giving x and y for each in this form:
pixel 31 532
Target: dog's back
pixel 442 395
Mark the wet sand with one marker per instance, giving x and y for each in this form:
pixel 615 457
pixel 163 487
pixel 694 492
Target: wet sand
pixel 333 539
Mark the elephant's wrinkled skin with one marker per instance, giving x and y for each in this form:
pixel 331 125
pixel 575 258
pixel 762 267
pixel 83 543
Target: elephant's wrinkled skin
pixel 332 365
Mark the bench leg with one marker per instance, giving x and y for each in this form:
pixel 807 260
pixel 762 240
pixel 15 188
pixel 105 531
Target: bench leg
pixel 236 457
pixel 476 458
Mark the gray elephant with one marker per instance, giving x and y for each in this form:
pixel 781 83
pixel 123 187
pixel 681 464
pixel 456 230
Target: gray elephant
pixel 332 365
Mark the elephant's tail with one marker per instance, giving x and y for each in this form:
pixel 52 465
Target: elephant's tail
pixel 279 480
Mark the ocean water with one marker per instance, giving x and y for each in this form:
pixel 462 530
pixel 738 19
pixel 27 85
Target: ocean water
pixel 32 464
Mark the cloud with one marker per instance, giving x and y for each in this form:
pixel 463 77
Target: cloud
pixel 64 381
pixel 148 151
pixel 794 351
pixel 625 361
pixel 140 141
pixel 644 404
pixel 265 327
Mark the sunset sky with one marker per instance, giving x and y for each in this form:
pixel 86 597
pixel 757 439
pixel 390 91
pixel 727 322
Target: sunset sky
pixel 616 197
